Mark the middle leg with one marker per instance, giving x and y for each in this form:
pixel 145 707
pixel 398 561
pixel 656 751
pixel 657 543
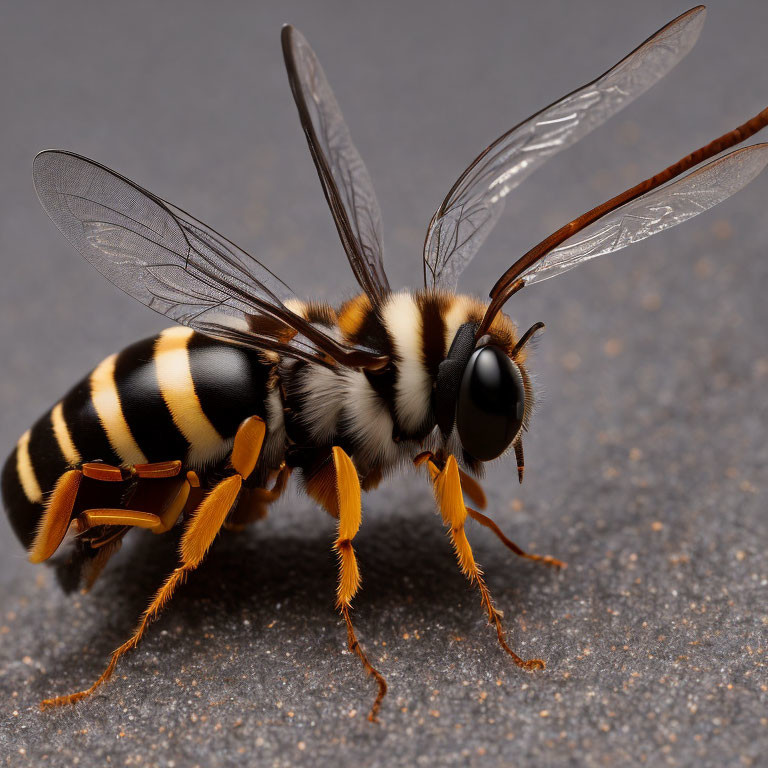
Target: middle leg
pixel 335 485
pixel 350 517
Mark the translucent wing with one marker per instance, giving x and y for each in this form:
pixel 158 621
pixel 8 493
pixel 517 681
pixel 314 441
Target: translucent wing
pixel 175 264
pixel 654 212
pixel 346 183
pixel 474 204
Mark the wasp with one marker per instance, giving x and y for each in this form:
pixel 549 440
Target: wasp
pixel 202 426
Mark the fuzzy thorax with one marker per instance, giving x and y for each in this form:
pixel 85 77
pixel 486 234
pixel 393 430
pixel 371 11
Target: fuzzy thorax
pixel 385 418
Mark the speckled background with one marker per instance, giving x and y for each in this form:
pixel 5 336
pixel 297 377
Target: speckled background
pixel 647 460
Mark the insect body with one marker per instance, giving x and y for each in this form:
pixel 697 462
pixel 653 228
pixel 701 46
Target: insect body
pixel 202 426
pixel 181 396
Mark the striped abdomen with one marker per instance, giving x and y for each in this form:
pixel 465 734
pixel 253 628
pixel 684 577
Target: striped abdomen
pixel 178 395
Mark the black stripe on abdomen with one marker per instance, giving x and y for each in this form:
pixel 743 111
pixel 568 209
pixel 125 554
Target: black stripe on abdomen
pixel 230 382
pixel 85 427
pixel 45 454
pixel 23 514
pixel 143 405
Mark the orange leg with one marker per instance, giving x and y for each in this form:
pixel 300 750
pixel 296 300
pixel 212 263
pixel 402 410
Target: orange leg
pixel 472 489
pixel 108 473
pixel 448 492
pixel 57 516
pixel 270 495
pixel 469 486
pixel 171 507
pixel 349 508
pixel 55 520
pixel 158 470
pixel 93 517
pixel 204 526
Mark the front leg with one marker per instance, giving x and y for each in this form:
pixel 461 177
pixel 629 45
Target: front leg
pixel 446 484
pixel 473 491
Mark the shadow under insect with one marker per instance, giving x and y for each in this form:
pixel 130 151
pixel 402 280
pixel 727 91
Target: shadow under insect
pixel 254 578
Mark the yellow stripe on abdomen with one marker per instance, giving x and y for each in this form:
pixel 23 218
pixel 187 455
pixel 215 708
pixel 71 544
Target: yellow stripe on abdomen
pixel 178 390
pixel 106 401
pixel 63 437
pixel 26 471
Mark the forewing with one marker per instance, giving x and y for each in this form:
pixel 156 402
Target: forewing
pixel 654 212
pixel 171 262
pixel 474 204
pixel 345 179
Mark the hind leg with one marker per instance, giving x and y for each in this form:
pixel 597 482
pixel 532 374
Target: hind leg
pixel 153 504
pixel 60 506
pixel 56 517
pixel 203 528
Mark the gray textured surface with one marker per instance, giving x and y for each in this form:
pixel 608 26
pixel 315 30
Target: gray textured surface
pixel 647 461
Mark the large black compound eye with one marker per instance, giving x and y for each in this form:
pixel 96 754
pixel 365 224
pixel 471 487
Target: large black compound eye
pixel 491 403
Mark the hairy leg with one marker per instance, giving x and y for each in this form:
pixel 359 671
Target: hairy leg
pixel 448 492
pixel 349 510
pixel 203 528
pixel 474 492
